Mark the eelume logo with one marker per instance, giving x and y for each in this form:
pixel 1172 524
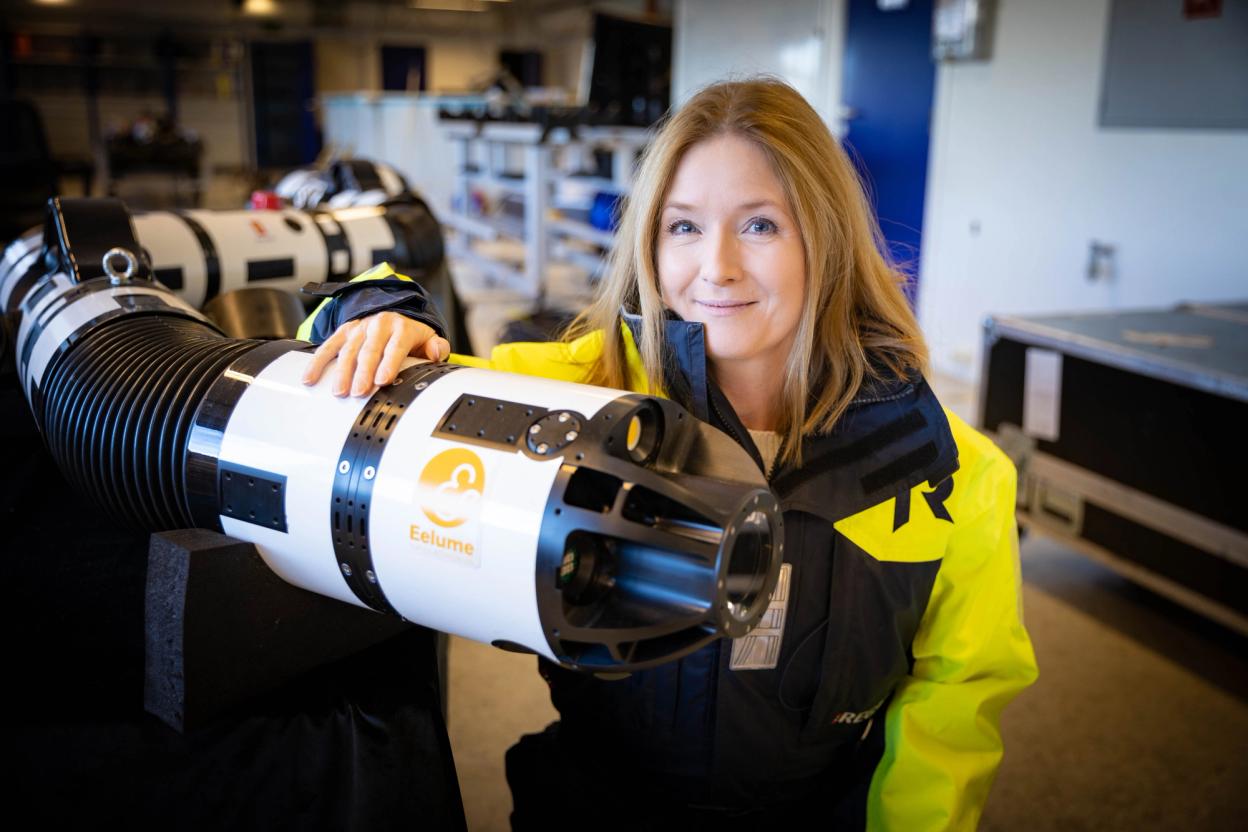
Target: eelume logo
pixel 451 486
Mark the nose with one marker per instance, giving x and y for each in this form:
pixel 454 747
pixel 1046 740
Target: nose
pixel 722 261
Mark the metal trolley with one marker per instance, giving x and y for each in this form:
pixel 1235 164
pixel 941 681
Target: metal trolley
pixel 1128 429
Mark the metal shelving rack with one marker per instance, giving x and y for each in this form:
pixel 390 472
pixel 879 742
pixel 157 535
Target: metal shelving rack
pixel 486 158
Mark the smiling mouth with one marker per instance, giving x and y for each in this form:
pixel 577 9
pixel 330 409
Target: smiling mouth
pixel 724 304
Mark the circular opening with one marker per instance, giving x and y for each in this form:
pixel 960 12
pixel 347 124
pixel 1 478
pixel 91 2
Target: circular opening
pixel 747 566
pixel 586 571
pixel 642 435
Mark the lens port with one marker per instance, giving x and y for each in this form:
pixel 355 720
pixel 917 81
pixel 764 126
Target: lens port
pixel 643 434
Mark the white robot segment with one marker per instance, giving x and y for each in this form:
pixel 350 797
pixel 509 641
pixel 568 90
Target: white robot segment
pixel 343 183
pixel 604 530
pixel 203 254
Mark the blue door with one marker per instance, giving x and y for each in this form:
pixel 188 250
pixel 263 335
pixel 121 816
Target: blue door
pixel 889 77
pixel 403 69
pixel 284 92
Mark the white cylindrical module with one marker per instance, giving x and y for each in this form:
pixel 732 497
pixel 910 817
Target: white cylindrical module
pixel 21 257
pixel 203 254
pixel 449 526
pixel 602 529
pixel 53 315
pixel 559 518
pixel 343 183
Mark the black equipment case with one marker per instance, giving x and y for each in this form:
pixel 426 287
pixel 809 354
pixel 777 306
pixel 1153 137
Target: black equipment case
pixel 1128 429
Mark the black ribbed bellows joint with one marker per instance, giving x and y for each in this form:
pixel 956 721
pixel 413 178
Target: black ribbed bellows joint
pixel 117 415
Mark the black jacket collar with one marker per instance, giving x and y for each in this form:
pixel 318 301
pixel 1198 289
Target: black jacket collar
pixel 893 437
pixel 684 361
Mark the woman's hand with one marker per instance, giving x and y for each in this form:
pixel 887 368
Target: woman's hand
pixel 371 350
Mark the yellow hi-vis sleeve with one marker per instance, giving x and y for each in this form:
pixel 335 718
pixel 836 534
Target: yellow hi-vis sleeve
pixel 972 656
pixel 564 361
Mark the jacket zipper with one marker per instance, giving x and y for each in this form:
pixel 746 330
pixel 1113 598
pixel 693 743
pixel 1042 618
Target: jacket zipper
pixel 720 658
pixel 733 433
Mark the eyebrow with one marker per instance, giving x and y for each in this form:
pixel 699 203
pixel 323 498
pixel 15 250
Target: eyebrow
pixel 746 206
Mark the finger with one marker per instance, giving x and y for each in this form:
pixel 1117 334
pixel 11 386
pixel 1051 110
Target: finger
pixel 380 328
pixel 325 353
pixel 392 361
pixel 368 359
pixel 346 362
pixel 437 348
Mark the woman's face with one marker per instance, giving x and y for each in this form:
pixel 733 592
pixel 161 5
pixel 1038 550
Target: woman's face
pixel 730 255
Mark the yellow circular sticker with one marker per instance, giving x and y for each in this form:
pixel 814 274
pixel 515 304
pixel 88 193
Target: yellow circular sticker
pixel 451 487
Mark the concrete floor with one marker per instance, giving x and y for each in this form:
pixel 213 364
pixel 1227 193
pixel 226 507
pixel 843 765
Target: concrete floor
pixel 1139 720
pixel 493 697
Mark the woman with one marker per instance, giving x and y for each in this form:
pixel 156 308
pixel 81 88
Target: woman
pixel 749 285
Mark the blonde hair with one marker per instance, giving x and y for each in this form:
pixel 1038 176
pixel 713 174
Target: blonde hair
pixel 856 323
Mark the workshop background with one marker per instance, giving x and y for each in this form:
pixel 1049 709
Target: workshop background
pixel 1066 182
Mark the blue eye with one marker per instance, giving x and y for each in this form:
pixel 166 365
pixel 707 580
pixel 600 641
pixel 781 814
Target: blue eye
pixel 761 225
pixel 681 227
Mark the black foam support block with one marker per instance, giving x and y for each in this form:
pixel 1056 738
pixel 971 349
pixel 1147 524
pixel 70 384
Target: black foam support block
pixel 221 627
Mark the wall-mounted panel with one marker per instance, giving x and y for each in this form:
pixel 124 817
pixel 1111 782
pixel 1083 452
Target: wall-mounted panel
pixel 1176 63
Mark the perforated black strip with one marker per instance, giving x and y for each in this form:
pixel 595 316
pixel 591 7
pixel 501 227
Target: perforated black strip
pixel 358 463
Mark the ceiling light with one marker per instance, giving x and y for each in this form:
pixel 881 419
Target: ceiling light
pixel 260 8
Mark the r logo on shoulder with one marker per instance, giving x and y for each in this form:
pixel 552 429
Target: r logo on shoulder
pixel 935 500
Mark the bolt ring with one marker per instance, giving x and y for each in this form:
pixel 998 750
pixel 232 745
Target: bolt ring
pixel 110 265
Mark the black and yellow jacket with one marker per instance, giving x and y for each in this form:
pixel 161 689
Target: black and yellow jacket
pixel 902 638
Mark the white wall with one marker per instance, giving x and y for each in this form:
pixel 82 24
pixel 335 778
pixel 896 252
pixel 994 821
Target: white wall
pixel 459 65
pixel 1021 179
pixel 347 64
pixel 802 41
pixel 453 64
pixel 401 130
